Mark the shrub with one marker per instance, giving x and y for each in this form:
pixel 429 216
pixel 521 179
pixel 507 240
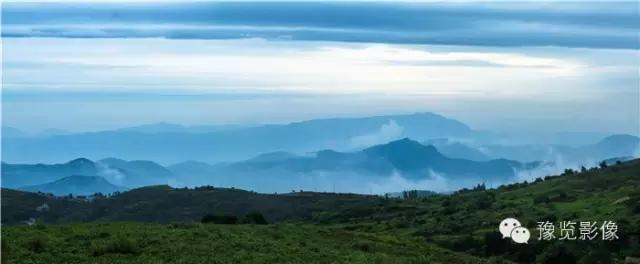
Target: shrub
pixel 36 244
pixel 494 244
pixel 557 253
pixel 116 246
pixel 256 218
pixel 541 198
pixel 636 208
pixel 483 202
pixel 603 165
pixel 181 225
pixel 4 249
pixel 597 256
pixel 220 219
pixel 363 246
pixel 465 243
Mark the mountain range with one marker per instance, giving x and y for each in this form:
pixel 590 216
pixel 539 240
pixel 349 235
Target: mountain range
pixel 326 170
pixel 216 144
pixel 609 147
pixel 404 162
pixel 363 155
pixel 227 143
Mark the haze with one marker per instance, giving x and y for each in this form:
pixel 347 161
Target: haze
pixel 516 68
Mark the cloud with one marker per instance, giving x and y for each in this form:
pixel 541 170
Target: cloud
pixel 387 132
pixel 120 82
pixel 110 174
pixel 593 25
pixel 397 183
pixel 206 65
pixel 355 182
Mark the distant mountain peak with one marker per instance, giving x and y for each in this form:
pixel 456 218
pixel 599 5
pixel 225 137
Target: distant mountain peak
pixel 405 145
pixel 111 160
pixel 619 138
pixel 191 163
pixel 80 161
pixel 273 156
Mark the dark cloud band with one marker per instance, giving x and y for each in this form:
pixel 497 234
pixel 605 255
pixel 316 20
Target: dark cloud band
pixel 591 25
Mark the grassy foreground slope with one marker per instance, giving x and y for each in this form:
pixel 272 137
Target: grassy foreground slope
pixel 467 221
pixel 122 242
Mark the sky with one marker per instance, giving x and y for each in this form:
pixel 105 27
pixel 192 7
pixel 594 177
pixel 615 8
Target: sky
pixel 502 66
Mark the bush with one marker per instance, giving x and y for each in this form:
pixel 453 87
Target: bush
pixel 541 198
pixel 597 256
pixel 220 219
pixel 485 201
pixel 117 246
pixel 494 244
pixel 36 244
pixel 4 249
pixel 465 243
pixel 363 246
pixel 557 253
pixel 255 218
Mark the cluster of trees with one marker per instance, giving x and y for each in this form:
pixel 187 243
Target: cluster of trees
pixel 413 194
pixel 230 219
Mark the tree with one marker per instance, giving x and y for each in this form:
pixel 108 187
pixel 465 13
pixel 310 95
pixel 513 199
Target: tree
pixel 494 244
pixel 603 165
pixel 557 253
pixel 413 194
pixel 220 219
pixel 255 218
pixel 597 256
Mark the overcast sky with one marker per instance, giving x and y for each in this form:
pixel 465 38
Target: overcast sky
pixel 500 66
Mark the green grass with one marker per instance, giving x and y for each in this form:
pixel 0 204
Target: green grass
pixel 209 243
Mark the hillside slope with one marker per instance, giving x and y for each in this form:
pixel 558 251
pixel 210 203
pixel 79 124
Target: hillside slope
pixel 164 204
pixel 467 220
pixel 77 185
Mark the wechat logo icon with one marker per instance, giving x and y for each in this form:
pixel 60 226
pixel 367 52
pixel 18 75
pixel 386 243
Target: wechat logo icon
pixel 511 227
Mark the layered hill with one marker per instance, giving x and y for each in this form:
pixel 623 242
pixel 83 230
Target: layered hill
pixel 163 204
pixel 613 146
pixel 364 171
pixel 19 175
pixel 330 170
pixel 168 144
pixel 115 171
pixel 76 185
